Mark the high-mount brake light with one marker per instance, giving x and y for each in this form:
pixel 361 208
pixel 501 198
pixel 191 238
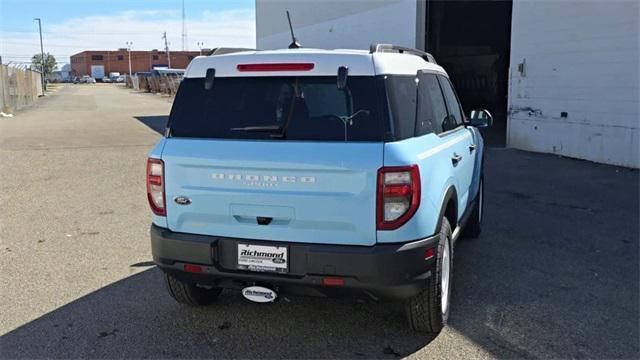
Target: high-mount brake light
pixel 276 67
pixel 155 186
pixel 398 195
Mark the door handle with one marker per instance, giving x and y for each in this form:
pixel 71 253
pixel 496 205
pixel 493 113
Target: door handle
pixel 472 147
pixel 455 159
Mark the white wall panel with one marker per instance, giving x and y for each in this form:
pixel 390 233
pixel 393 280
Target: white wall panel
pixel 581 57
pixel 332 24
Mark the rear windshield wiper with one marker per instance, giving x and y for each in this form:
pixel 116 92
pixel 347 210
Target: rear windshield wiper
pixel 268 128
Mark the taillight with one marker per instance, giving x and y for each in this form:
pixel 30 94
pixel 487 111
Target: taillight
pixel 155 186
pixel 398 195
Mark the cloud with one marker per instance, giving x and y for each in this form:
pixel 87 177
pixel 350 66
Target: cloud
pixel 233 28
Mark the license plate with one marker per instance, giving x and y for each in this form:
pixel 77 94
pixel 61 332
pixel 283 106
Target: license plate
pixel 263 258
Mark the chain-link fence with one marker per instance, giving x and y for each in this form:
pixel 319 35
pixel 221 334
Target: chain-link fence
pixel 18 88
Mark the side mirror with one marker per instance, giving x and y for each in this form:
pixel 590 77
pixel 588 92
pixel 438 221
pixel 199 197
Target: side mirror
pixel 480 118
pixel 343 73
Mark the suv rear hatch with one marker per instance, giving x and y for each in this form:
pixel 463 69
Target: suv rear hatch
pixel 275 158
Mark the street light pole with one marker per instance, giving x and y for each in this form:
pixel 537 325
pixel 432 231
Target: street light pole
pixel 42 61
pixel 129 43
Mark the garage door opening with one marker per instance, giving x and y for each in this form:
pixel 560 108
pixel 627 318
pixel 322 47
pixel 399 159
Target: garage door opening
pixel 472 41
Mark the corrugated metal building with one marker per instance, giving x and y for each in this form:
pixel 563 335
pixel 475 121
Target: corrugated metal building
pixel 559 76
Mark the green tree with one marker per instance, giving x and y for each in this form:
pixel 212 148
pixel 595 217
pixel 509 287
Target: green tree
pixel 50 64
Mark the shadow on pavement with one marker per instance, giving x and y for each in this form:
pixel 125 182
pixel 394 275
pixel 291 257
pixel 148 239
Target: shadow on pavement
pixel 136 318
pixel 554 274
pixel 156 123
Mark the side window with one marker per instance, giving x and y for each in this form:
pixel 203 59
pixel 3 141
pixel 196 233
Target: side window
pixel 402 92
pixel 432 111
pixel 455 111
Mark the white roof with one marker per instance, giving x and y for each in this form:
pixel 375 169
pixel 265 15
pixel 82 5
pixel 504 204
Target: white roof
pixel 326 63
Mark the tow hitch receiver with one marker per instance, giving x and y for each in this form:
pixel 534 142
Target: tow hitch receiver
pixel 259 294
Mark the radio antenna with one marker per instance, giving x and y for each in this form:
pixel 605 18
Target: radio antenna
pixel 294 43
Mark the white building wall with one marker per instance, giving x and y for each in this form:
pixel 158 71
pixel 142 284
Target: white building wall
pixel 580 57
pixel 331 24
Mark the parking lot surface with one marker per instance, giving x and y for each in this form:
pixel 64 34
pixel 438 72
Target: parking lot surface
pixel 554 274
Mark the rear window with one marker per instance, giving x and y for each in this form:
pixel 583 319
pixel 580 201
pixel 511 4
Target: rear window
pixel 278 108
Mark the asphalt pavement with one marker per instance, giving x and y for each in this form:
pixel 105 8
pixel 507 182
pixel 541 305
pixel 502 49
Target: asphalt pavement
pixel 555 273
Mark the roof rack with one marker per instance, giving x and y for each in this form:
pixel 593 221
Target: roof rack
pixel 374 48
pixel 227 50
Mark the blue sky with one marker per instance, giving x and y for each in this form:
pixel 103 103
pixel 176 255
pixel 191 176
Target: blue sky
pixel 71 26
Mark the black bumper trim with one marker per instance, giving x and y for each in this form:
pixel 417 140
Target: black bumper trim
pixel 396 271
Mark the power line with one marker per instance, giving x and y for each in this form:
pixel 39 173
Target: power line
pixel 114 54
pixel 36 44
pixel 26 56
pixel 90 33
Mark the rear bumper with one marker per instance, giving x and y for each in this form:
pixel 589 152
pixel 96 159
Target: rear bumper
pixel 384 271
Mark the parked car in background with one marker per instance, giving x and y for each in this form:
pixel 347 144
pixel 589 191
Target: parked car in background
pixel 324 172
pixel 86 79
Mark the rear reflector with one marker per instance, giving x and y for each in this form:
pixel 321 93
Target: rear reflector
pixel 192 268
pixel 333 281
pixel 276 67
pixel 429 253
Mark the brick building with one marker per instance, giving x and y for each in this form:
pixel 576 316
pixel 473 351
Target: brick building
pixel 118 60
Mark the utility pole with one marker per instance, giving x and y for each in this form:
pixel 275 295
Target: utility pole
pixel 166 49
pixel 129 43
pixel 200 45
pixel 42 61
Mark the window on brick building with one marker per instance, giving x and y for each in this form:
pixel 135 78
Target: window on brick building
pixel 97 57
pixel 120 57
pixel 155 57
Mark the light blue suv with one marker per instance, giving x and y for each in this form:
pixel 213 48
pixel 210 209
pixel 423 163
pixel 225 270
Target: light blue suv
pixel 335 173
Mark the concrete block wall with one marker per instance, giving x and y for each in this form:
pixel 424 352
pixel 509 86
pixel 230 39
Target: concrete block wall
pixel 579 58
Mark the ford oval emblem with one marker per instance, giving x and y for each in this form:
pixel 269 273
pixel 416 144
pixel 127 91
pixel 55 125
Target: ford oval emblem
pixel 278 260
pixel 182 200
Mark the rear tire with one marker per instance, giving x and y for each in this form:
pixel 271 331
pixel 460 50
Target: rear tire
pixel 473 228
pixel 190 294
pixel 429 311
